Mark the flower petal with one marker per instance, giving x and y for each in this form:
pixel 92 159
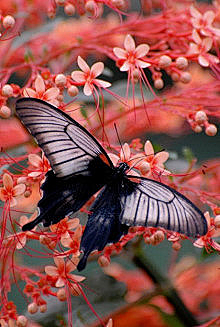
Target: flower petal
pixel 73 223
pixel 207 43
pixel 7 181
pixel 129 43
pixel 78 76
pixel 51 270
pixel 28 92
pixel 83 65
pixel 59 262
pixel 78 278
pixel 101 83
pixel 142 64
pixel 148 148
pixel 125 66
pixel 60 282
pixel 209 16
pixel 196 37
pixel 125 152
pixel 39 84
pixel 161 157
pixel 34 160
pixel 97 69
pixel 194 12
pixel 203 61
pixel 120 53
pixel 142 50
pixel 114 158
pixel 51 93
pixel 88 88
pixel 19 189
pixel 21 241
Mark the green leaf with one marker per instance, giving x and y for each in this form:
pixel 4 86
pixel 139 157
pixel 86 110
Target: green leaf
pixel 170 320
pixel 188 154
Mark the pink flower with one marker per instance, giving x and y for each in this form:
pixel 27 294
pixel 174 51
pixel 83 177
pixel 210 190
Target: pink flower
pixel 41 165
pixel 207 240
pixel 22 237
pixel 200 48
pixel 153 163
pixel 9 192
pixel 62 271
pixel 87 76
pixel 125 156
pixel 203 23
pixel 131 56
pixel 40 91
pixel 63 228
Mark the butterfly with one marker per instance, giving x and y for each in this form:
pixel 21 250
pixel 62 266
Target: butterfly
pixel 81 167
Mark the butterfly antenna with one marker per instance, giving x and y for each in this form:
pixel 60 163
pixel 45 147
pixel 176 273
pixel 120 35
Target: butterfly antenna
pixel 119 139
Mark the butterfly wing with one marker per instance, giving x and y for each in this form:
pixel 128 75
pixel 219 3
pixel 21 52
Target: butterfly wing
pixel 155 204
pixel 147 203
pixel 75 156
pixel 69 147
pixel 103 224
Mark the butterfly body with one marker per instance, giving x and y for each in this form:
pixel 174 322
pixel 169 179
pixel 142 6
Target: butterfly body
pixel 81 168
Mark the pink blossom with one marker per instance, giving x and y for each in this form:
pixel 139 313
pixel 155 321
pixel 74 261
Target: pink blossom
pixel 87 76
pixel 200 48
pixel 41 165
pixel 40 92
pixel 153 163
pixel 203 23
pixel 62 271
pixel 132 56
pixel 9 192
pixel 125 156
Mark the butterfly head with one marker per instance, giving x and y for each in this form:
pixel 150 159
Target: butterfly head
pixel 122 167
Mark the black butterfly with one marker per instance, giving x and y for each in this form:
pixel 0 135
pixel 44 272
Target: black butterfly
pixel 81 167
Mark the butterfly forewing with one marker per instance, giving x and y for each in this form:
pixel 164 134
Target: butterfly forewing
pixel 157 205
pixel 69 147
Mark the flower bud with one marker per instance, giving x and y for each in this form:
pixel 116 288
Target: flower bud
pixel 60 2
pixel 75 290
pixel 22 321
pixel 200 117
pixel 61 294
pixel 73 91
pixel 103 261
pixel 176 246
pixel 60 80
pixel 5 112
pixel 8 21
pixel 158 83
pixel 119 4
pixel 175 77
pixel 43 308
pixel 32 308
pixel 69 9
pixel 181 62
pixel 164 61
pixel 217 221
pixel 185 77
pixel 197 129
pixel 90 7
pixel 7 90
pixel 211 130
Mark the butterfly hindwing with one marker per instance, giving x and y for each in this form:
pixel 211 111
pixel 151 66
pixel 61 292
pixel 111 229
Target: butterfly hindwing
pixel 68 146
pixel 155 204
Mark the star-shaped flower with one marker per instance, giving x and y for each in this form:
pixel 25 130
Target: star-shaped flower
pixel 87 76
pixel 40 92
pixel 131 56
